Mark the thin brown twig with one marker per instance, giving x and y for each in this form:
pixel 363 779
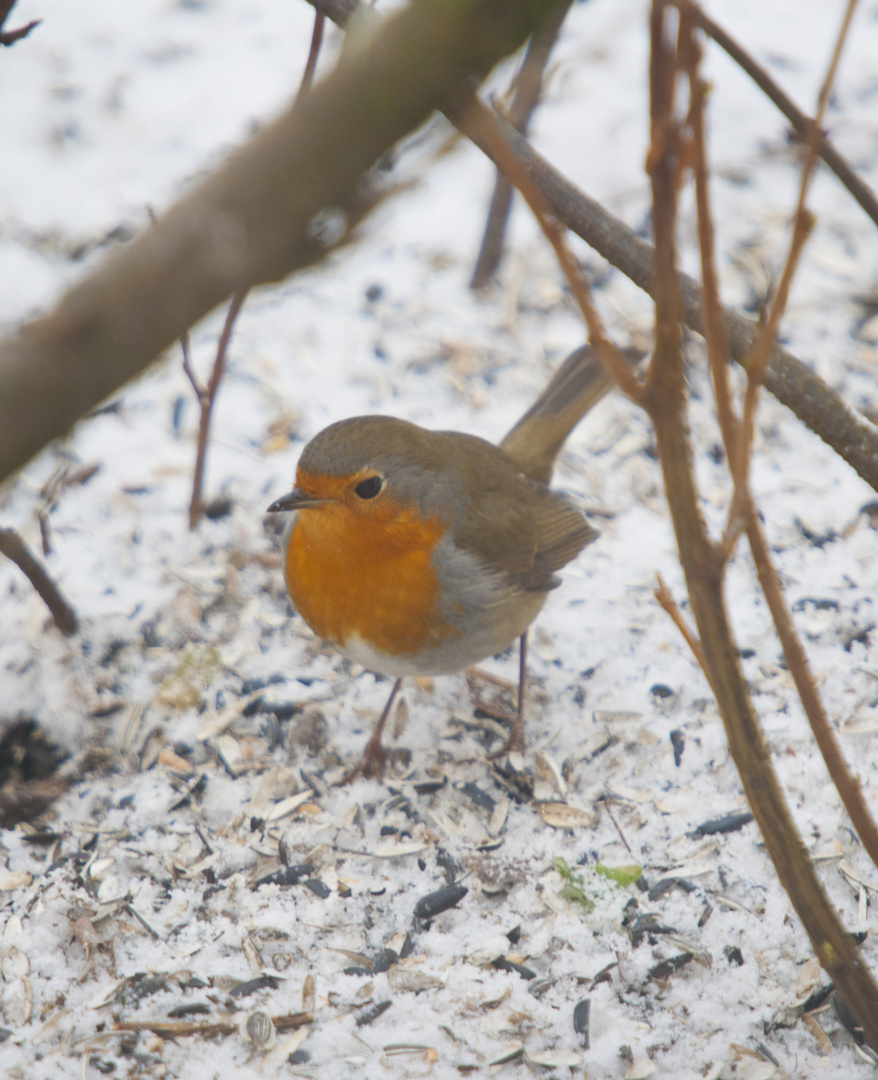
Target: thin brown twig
pixel 605 803
pixel 790 380
pixel 705 576
pixel 9 37
pixel 14 548
pixel 802 224
pixel 313 53
pixel 479 117
pixel 526 97
pixel 207 395
pixel 847 785
pixel 742 512
pixel 669 605
pixel 663 166
pixel 200 391
pixel 801 123
pixel 206 398
pixel 714 327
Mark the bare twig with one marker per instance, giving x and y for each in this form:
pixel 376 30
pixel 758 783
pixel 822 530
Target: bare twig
pixel 528 87
pixel 9 37
pixel 665 401
pixel 669 605
pixel 792 382
pixel 704 567
pixel 206 398
pixel 313 53
pixel 801 123
pixel 802 224
pixel 200 391
pixel 207 395
pixel 737 439
pixel 14 548
pixel 480 121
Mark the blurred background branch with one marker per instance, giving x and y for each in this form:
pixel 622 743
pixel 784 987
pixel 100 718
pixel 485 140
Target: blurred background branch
pixel 253 220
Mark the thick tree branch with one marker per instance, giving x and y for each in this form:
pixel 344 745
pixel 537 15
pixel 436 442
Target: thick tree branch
pixel 250 222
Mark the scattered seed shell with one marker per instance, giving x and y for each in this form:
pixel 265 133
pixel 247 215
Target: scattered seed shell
pixel 555 1059
pixel 308 994
pixel 259 1030
pixel 372 1012
pixel 288 806
pixel 581 1013
pixel 14 965
pixel 14 879
pixel 640 1069
pixel 498 817
pixel 508 1053
pixel 413 980
pixel 561 816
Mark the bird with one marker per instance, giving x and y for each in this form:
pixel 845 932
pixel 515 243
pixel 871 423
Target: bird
pixel 417 552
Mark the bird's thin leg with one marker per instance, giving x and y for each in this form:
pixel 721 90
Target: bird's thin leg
pixel 516 741
pixel 371 764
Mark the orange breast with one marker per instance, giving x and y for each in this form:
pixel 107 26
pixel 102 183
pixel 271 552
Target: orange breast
pixel 350 575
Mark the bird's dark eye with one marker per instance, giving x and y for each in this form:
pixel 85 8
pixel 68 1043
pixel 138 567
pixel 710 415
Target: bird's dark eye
pixel 369 488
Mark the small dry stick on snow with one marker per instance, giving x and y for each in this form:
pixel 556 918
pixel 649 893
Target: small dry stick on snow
pixel 14 548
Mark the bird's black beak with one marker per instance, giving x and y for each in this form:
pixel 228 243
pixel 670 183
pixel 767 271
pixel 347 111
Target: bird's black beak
pixel 296 500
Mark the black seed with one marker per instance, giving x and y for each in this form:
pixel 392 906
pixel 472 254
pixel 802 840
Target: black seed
pixel 367 1016
pixel 195 1008
pixel 384 961
pixel 318 887
pixel 252 986
pixel 434 903
pixel 668 967
pixel 580 1021
pixel 502 964
pixel 678 741
pixel 481 798
pixel 288 875
pixel 726 823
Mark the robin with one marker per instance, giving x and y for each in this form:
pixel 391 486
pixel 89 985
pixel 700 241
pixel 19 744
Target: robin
pixel 421 552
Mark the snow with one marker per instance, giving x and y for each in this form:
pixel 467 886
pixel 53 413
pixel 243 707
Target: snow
pixel 114 108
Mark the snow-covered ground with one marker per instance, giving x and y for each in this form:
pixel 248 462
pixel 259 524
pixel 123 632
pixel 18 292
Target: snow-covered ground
pixel 147 909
